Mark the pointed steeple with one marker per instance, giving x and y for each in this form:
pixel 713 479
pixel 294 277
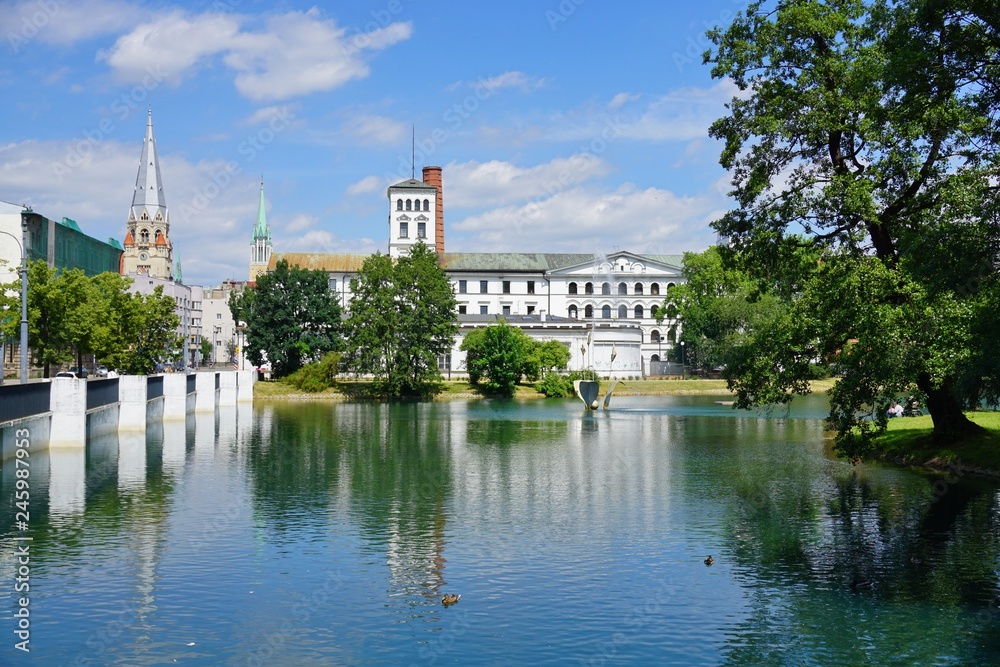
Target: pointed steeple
pixel 178 277
pixel 261 230
pixel 148 194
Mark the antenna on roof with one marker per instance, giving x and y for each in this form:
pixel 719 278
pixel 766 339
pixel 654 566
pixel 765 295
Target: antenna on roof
pixel 413 151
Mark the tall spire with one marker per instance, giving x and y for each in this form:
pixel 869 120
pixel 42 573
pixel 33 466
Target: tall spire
pixel 148 184
pixel 261 229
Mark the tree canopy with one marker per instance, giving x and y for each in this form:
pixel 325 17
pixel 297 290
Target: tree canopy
pixel 291 316
pixel 402 318
pixel 498 356
pixel 867 131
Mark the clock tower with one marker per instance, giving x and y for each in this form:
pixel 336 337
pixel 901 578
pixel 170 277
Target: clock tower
pixel 148 249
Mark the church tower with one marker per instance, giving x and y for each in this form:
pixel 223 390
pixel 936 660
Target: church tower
pixel 147 243
pixel 260 247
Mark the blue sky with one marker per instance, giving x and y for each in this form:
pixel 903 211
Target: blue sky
pixel 561 125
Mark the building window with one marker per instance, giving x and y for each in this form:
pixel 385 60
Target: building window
pixel 408 204
pixel 531 287
pixel 218 316
pixel 655 357
pixel 654 289
pixel 484 286
pixel 463 286
pixel 638 288
pixel 672 335
pixel 572 288
pixel 427 205
pixel 399 204
pixel 506 310
pixel 463 310
pixel 622 312
pixel 606 289
pixel 622 288
pixel 484 310
pixel 639 312
pixel 588 288
pixel 404 230
pixel 531 310
pixel 654 336
pixel 588 312
pixel 421 230
pixel 143 236
pixel 606 312
pixel 670 286
pixel 332 282
pixel 573 312
pixel 506 287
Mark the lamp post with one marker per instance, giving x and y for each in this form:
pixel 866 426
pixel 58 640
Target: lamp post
pixel 684 369
pixel 23 244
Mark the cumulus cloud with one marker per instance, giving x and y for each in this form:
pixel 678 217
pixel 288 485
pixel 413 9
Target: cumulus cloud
pixel 621 99
pixel 296 53
pixel 496 183
pixel 366 185
pixel 377 130
pixel 518 80
pixel 64 22
pixel 268 114
pixel 584 220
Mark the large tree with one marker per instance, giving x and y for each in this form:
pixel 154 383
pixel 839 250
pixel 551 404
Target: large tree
pixel 868 130
pixel 496 357
pixel 291 316
pixel 402 318
pixel 135 331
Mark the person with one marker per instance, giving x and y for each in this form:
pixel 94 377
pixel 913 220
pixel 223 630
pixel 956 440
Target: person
pixel 895 411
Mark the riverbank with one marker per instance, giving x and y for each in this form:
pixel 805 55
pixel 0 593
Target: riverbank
pixel 907 441
pixel 463 390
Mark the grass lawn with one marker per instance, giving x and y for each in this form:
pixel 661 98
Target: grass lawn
pixel 908 439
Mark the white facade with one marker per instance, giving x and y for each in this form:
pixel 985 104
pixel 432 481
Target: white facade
pixel 412 210
pixel 10 240
pixel 220 328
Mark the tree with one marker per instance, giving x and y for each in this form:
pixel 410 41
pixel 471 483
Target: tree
pixel 496 357
pixel 206 351
pixel 47 312
pixel 869 129
pixel 137 330
pixel 291 318
pixel 402 317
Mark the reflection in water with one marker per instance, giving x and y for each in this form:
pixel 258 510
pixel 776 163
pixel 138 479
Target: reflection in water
pixel 326 534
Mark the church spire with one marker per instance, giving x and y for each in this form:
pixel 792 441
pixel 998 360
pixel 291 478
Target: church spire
pixel 261 230
pixel 260 246
pixel 148 194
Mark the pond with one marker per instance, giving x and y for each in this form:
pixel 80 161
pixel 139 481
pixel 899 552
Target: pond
pixel 323 533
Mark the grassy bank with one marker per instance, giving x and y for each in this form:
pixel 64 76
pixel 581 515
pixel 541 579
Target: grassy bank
pixel 908 440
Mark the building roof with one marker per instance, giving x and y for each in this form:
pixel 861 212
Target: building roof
pixel 330 262
pixel 261 230
pixel 413 184
pixel 148 184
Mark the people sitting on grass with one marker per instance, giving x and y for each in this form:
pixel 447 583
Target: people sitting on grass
pixel 895 411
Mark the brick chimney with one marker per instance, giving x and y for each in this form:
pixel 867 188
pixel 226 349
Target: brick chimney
pixel 432 176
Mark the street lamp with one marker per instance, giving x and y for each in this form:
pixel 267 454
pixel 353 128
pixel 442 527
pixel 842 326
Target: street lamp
pixel 684 369
pixel 23 245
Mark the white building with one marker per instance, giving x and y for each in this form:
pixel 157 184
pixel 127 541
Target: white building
pixel 600 306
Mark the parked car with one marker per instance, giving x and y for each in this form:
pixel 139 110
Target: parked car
pixel 101 371
pixel 79 372
pixel 66 374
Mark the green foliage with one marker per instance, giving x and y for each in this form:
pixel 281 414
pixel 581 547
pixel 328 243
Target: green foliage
pixel 554 385
pixel 206 350
pixel 136 330
pixel 868 134
pixel 317 376
pixel 291 318
pixel 496 357
pixel 402 317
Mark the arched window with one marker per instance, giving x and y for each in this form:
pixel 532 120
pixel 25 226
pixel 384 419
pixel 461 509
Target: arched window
pixel 588 312
pixel 143 236
pixel 606 289
pixel 654 336
pixel 638 288
pixel 399 204
pixel 670 286
pixel 573 312
pixel 622 288
pixel 639 312
pixel 671 311
pixel 427 205
pixel 606 312
pixel 654 289
pixel 672 335
pixel 588 288
pixel 622 312
pixel 408 204
pixel 572 288
pixel 655 357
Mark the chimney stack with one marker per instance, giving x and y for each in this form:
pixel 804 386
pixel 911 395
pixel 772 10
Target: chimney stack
pixel 432 176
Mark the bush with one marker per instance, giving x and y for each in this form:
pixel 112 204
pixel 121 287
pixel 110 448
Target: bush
pixel 554 385
pixel 315 377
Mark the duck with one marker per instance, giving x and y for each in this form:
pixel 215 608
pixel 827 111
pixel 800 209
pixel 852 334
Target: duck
pixel 450 599
pixel 708 561
pixel 861 585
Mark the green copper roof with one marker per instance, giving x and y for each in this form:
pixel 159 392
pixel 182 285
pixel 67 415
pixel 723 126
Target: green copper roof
pixel 177 273
pixel 261 230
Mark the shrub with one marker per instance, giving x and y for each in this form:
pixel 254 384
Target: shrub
pixel 315 377
pixel 554 385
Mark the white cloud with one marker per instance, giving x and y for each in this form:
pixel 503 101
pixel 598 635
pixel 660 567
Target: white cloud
pixel 496 183
pixel 584 220
pixel 297 53
pixel 518 80
pixel 63 22
pixel 377 130
pixel 621 99
pixel 268 114
pixel 298 223
pixel 366 185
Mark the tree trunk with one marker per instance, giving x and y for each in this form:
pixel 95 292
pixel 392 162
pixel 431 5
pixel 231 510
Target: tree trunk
pixel 950 423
